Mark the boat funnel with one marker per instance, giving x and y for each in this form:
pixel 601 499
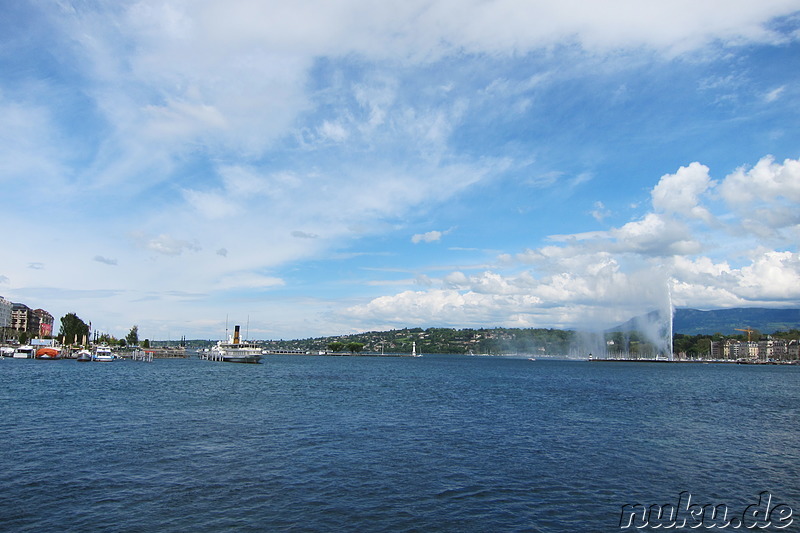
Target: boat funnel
pixel 235 334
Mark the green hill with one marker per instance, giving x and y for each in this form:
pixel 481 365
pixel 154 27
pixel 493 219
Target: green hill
pixel 727 321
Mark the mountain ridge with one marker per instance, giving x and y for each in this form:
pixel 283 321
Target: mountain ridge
pixel 689 321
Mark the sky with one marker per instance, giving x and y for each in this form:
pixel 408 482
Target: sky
pixel 320 167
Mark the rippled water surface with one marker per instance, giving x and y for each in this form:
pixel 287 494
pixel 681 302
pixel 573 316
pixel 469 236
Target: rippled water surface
pixel 438 443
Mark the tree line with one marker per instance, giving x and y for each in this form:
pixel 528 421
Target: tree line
pixel 74 330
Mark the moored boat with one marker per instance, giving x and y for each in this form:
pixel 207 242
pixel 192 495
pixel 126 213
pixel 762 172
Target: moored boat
pixel 83 356
pixel 25 351
pixel 103 354
pixel 235 350
pixel 48 353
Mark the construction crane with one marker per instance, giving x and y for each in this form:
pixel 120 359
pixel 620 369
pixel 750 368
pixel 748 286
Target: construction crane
pixel 748 330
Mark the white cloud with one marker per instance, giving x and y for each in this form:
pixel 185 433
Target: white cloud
pixel 180 119
pixel 771 276
pixel 168 245
pixel 602 293
pixel 774 94
pixel 681 192
pixel 221 128
pixel 333 131
pixel 765 197
pixel 431 236
pixel 655 235
pixel 599 212
pixel 766 182
pixel 603 278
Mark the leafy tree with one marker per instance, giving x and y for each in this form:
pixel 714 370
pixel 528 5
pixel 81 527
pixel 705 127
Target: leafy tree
pixel 146 343
pixel 133 336
pixel 336 346
pixel 106 338
pixel 355 347
pixel 73 329
pixel 23 337
pixel 122 342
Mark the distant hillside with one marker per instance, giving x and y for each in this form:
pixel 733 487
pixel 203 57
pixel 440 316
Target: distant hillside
pixel 725 321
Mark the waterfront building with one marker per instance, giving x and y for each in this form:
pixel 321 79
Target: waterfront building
pixel 726 350
pixel 718 350
pixel 5 317
pixel 766 350
pixel 20 317
pixel 793 350
pixel 25 319
pixel 45 320
pixel 778 349
pixel 749 350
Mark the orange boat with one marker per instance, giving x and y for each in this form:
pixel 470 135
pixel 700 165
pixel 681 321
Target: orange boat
pixel 48 353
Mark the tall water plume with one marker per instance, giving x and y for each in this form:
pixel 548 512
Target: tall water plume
pixel 648 335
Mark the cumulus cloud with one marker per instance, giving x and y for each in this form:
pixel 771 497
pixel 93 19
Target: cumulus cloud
pixel 604 278
pixel 765 197
pixel 767 182
pixel 681 192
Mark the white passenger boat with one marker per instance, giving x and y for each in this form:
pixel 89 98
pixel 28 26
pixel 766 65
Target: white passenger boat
pixel 103 354
pixel 234 350
pixel 25 351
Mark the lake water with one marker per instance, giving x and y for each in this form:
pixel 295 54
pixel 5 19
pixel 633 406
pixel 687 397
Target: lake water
pixel 438 443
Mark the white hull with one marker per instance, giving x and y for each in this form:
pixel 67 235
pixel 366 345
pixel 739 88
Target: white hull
pixel 103 355
pixel 242 358
pixel 25 352
pixel 234 353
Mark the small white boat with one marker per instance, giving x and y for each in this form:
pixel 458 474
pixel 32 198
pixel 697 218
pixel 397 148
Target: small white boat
pixel 83 356
pixel 103 354
pixel 25 352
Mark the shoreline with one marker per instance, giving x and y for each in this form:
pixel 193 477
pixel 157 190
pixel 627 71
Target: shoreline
pixel 693 361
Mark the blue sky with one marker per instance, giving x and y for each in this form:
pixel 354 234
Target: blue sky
pixel 315 168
